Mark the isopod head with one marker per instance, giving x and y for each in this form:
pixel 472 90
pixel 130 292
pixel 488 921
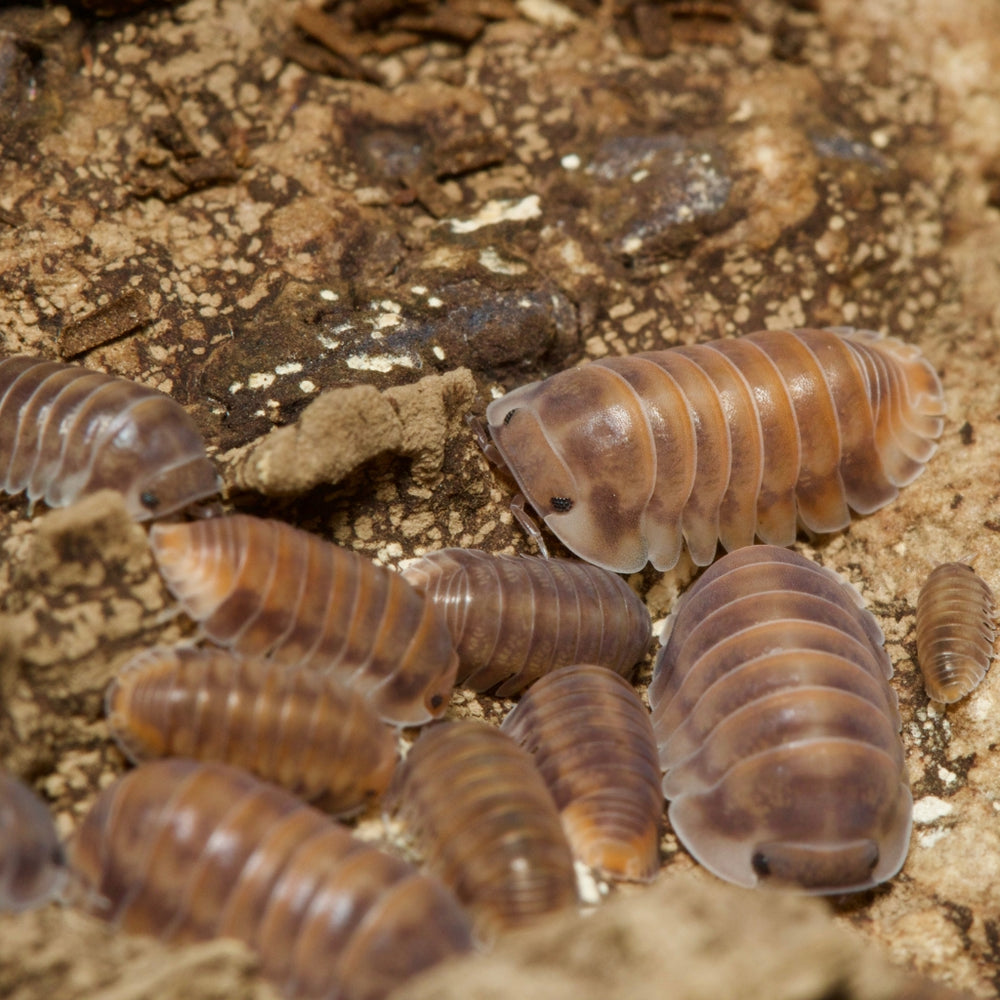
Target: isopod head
pixel 599 517
pixel 173 451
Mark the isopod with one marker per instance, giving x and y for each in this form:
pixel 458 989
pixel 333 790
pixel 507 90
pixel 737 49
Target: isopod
pixel 486 825
pixel 593 743
pixel 67 431
pixel 955 631
pixel 513 619
pixel 298 728
pixel 778 730
pixel 32 864
pixel 624 457
pixel 188 851
pixel 263 588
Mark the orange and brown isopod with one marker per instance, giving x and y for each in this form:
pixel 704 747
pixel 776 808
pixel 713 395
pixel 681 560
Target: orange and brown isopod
pixel 301 729
pixel 778 730
pixel 514 619
pixel 263 588
pixel 187 851
pixel 593 743
pixel 955 631
pixel 32 864
pixel 486 825
pixel 67 431
pixel 626 458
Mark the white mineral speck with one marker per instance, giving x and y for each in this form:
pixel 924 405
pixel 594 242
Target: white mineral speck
pixel 930 809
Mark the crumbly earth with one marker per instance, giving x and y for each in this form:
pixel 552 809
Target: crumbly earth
pixel 380 232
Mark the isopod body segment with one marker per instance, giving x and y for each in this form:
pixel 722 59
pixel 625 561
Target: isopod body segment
pixel 514 619
pixel 32 864
pixel 777 728
pixel 955 631
pixel 263 588
pixel 67 431
pixel 188 851
pixel 593 743
pixel 480 815
pixel 301 729
pixel 627 458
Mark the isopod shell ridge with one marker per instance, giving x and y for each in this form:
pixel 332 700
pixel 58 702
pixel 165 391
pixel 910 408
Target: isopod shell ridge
pixel 778 730
pixel 627 459
pixel 264 588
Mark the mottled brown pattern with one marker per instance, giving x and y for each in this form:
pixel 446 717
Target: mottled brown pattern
pixel 515 619
pixel 594 745
pixel 955 631
pixel 185 852
pixel 67 432
pixel 481 816
pixel 264 588
pixel 821 421
pixel 301 729
pixel 782 755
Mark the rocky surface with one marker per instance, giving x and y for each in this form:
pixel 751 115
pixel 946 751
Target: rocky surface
pixel 248 205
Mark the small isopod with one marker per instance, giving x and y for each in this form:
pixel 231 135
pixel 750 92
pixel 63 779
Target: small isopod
pixel 32 864
pixel 594 745
pixel 625 457
pixel 955 631
pixel 778 730
pixel 187 851
pixel 67 431
pixel 298 728
pixel 263 588
pixel 486 825
pixel 513 619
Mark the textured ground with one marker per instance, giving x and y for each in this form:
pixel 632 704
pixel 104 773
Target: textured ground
pixel 209 199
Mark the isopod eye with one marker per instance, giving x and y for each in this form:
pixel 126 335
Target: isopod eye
pixel 561 504
pixel 149 499
pixel 436 700
pixel 510 413
pixel 761 866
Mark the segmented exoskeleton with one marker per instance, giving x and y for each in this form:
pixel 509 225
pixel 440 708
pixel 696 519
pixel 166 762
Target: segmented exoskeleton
pixel 626 458
pixel 778 730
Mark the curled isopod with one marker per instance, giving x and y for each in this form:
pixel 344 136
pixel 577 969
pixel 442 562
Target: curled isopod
pixel 625 457
pixel 593 743
pixel 67 431
pixel 778 730
pixel 298 728
pixel 955 631
pixel 481 816
pixel 32 864
pixel 514 619
pixel 264 588
pixel 188 851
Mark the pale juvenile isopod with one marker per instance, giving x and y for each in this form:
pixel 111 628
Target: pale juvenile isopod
pixel 625 457
pixel 263 588
pixel 67 431
pixel 593 743
pixel 778 730
pixel 514 619
pixel 480 815
pixel 187 851
pixel 301 729
pixel 955 631
pixel 32 865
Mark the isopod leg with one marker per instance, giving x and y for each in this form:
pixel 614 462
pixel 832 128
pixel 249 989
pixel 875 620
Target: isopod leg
pixel 485 442
pixel 528 525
